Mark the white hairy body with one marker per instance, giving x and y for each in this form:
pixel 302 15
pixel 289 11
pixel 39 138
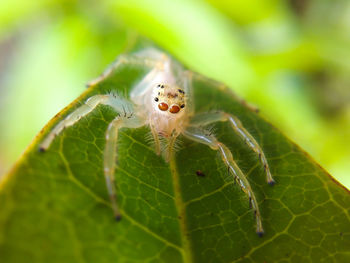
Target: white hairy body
pixel 163 101
pixel 161 79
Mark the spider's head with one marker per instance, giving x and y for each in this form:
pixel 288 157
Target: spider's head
pixel 169 98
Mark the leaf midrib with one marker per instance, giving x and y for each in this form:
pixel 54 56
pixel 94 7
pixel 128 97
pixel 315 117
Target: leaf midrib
pixel 181 211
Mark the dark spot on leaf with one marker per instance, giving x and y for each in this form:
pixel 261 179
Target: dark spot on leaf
pixel 200 173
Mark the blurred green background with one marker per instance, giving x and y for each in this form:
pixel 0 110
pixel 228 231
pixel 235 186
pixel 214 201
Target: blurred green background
pixel 291 58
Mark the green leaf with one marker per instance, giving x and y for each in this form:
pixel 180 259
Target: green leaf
pixel 55 207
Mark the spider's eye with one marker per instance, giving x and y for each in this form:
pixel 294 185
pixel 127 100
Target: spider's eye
pixel 163 106
pixel 174 109
pixel 156 99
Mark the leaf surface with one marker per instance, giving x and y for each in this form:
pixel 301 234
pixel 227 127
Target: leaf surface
pixel 55 206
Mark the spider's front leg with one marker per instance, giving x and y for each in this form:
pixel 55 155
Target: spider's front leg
pixel 110 154
pixel 119 104
pixel 126 118
pixel 204 119
pixel 75 116
pixel 199 135
pixel 155 138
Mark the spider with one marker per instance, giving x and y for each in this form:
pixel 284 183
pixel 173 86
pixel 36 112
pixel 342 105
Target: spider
pixel 163 101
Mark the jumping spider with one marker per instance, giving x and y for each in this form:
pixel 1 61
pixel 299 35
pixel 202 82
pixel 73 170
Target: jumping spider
pixel 163 101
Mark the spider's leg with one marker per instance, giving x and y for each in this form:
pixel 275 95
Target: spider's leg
pixel 108 99
pixel 170 148
pixel 211 117
pixel 110 155
pixel 131 60
pixel 198 135
pixel 72 118
pixel 222 86
pixel 156 139
pixel 188 86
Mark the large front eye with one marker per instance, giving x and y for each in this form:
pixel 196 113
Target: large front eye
pixel 163 106
pixel 174 109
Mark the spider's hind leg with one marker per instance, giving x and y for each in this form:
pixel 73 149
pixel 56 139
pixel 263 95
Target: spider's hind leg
pixel 198 135
pixel 211 117
pixel 222 86
pixel 132 60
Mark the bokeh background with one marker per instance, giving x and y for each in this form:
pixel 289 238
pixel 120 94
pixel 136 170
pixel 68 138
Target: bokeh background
pixel 289 57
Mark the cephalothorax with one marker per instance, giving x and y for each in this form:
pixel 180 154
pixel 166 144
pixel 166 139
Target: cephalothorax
pixel 163 101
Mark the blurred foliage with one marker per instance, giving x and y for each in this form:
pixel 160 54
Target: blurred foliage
pixel 289 57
